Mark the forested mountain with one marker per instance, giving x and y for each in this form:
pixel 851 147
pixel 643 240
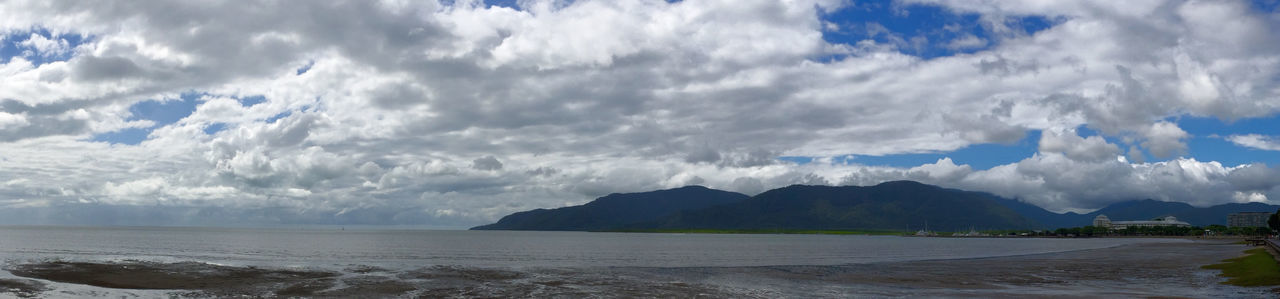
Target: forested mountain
pixel 898 205
pixel 616 210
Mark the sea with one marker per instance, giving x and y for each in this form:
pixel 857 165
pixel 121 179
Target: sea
pixel 523 263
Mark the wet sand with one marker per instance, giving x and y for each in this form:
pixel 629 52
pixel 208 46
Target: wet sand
pixel 148 275
pixel 23 288
pixel 200 280
pixel 1144 270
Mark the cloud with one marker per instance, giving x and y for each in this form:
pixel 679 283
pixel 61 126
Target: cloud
pixel 1165 139
pixel 1135 155
pixel 45 47
pixel 405 106
pixel 1060 183
pixel 487 163
pixel 747 185
pixel 966 42
pixel 705 154
pixel 21 121
pixel 1255 141
pixel 1092 149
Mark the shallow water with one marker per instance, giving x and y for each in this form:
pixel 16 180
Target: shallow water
pixel 308 247
pixel 576 264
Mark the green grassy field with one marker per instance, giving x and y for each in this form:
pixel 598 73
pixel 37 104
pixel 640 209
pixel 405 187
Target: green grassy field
pixel 1258 268
pixel 770 231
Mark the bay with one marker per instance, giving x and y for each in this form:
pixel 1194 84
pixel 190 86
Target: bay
pixel 331 247
pixel 452 263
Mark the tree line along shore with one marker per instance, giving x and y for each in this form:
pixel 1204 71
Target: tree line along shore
pixel 1216 231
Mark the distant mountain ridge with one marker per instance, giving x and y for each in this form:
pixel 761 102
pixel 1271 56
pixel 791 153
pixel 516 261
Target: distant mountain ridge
pixel 897 205
pixel 616 210
pixel 888 206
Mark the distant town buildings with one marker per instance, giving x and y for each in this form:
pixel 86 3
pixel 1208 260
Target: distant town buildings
pixel 1248 219
pixel 972 233
pixel 1103 221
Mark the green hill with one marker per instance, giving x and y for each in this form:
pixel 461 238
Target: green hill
pixel 900 205
pixel 616 210
pixel 896 205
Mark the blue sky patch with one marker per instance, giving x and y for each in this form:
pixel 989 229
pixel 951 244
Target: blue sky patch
pixel 1265 5
pixel 498 3
pixel 130 136
pixel 162 113
pixel 214 128
pixel 305 68
pixel 249 101
pixel 165 112
pixel 978 156
pixel 796 159
pixel 922 30
pixel 1208 141
pixel 277 117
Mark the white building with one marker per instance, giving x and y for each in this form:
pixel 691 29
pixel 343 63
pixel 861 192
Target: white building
pixel 1103 221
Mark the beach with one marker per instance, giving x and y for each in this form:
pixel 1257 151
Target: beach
pixel 1135 270
pixel 1139 270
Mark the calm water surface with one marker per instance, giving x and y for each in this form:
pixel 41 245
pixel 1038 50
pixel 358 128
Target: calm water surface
pixel 439 263
pixel 322 248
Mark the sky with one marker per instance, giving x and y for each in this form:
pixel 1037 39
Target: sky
pixel 455 113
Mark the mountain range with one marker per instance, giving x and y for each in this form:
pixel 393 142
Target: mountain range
pixel 617 210
pixel 897 205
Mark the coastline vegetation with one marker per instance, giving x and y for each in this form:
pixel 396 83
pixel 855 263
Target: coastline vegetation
pixel 1089 231
pixel 1211 230
pixel 1258 268
pixel 1072 232
pixel 766 231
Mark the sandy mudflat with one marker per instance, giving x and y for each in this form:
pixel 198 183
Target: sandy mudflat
pixel 24 288
pixel 149 275
pixel 1144 270
pixel 208 280
pixel 200 280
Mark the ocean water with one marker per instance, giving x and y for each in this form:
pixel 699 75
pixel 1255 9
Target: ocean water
pixel 511 249
pixel 505 263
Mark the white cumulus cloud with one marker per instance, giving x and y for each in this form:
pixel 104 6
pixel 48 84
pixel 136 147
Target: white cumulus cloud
pixel 456 113
pixel 1256 141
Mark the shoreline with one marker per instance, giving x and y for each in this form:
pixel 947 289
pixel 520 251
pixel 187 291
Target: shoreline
pixel 1136 270
pixel 759 232
pixel 895 233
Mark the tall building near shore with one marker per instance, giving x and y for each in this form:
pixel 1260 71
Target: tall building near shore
pixel 1248 219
